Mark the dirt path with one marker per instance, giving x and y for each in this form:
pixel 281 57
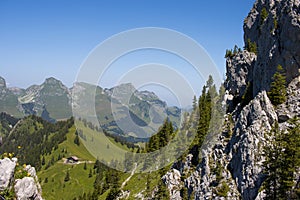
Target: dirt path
pixel 132 173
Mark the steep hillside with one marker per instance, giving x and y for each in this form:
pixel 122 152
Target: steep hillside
pixel 54 169
pixel 256 155
pixel 32 137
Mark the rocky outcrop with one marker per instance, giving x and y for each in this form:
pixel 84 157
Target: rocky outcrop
pixel 236 162
pixel 232 168
pixel 291 108
pixel 247 142
pixel 7 169
pixel 173 182
pixel 239 72
pixel 274 25
pixel 25 188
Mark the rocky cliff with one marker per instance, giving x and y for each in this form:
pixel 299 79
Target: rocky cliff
pixel 233 167
pixel 21 183
pixel 274 25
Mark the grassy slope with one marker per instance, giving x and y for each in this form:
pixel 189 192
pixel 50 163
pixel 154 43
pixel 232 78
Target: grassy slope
pixel 101 146
pixel 56 188
pixel 137 183
pixel 9 104
pixel 79 182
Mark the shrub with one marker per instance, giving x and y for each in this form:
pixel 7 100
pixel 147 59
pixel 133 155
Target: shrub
pixel 251 46
pixel 223 190
pixel 264 14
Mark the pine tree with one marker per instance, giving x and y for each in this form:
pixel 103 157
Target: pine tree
pixel 282 161
pixel 229 53
pixel 272 164
pixel 290 159
pixel 277 93
pixel 205 115
pixel 161 138
pixel 76 140
pixel 90 173
pixel 251 46
pixel 43 160
pixel 67 177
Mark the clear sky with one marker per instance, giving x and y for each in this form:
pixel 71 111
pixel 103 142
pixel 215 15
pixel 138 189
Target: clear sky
pixel 39 39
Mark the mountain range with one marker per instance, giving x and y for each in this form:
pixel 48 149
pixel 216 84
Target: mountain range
pixel 140 116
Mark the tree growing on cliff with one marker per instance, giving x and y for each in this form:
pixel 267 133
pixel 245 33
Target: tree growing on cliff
pixel 251 46
pixel 277 93
pixel 282 162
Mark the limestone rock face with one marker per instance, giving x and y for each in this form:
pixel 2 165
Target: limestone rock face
pixel 234 163
pixel 239 72
pixel 26 188
pixel 247 144
pixel 237 161
pixel 291 108
pixel 173 183
pixel 7 169
pixel 277 35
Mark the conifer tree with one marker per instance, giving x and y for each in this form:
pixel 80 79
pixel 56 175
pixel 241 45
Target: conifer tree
pixel 251 46
pixel 67 177
pixel 43 160
pixel 76 140
pixel 277 93
pixel 272 164
pixel 162 138
pixel 282 161
pixel 90 173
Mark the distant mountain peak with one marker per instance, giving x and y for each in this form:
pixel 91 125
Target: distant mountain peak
pixel 52 81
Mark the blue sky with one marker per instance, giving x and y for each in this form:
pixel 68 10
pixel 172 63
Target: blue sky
pixel 39 39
